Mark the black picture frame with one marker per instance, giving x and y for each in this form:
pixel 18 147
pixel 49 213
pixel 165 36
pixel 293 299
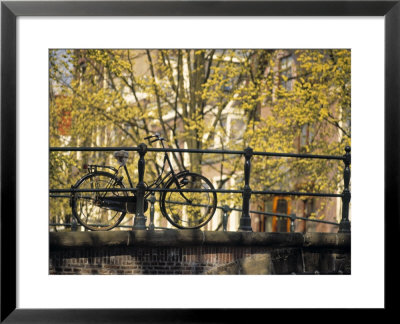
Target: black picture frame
pixel 10 10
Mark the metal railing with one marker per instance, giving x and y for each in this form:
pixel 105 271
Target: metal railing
pixel 224 223
pixel 247 192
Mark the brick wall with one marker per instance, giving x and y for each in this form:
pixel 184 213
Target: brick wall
pixel 143 260
pixel 102 253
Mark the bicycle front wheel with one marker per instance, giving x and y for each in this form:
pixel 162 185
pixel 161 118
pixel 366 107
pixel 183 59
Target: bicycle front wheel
pixel 189 210
pixel 87 207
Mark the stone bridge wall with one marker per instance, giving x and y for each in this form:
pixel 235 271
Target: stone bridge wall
pixel 198 252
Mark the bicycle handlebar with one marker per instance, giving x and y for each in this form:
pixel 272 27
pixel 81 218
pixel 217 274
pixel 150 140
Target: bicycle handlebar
pixel 158 138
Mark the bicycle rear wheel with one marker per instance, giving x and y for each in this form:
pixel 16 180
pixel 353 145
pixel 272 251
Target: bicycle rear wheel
pixel 87 207
pixel 188 210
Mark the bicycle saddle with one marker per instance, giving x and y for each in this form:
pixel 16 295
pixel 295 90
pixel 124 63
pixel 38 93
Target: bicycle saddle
pixel 122 157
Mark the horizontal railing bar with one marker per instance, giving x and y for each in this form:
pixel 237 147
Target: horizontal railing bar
pixel 123 226
pixel 295 193
pixel 176 150
pixel 92 190
pixel 240 210
pixel 283 193
pixel 194 190
pixel 286 215
pixel 234 209
pixel 259 212
pixel 150 149
pixel 263 213
pixel 147 189
pixel 93 149
pixel 298 155
pixel 294 217
pixel 317 220
pixel 192 205
pixel 63 224
pixel 69 196
pixel 266 192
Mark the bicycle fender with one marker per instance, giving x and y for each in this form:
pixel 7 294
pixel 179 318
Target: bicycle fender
pixel 92 173
pixel 176 175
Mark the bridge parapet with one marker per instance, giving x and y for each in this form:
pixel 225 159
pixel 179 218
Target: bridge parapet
pixel 198 252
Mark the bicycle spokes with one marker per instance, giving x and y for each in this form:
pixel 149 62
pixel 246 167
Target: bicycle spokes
pixel 91 209
pixel 189 209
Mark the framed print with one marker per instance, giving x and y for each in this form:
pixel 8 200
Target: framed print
pixel 30 28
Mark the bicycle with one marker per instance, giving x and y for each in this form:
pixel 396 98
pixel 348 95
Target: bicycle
pixel 104 210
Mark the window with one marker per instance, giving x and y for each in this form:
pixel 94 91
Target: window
pixel 286 72
pixel 266 221
pixel 279 205
pixel 281 223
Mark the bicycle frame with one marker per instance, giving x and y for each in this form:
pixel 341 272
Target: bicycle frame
pixel 157 183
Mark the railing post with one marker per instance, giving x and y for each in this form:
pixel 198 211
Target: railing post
pixel 152 200
pixel 245 220
pixel 74 225
pixel 292 219
pixel 139 222
pixel 225 209
pixel 344 226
